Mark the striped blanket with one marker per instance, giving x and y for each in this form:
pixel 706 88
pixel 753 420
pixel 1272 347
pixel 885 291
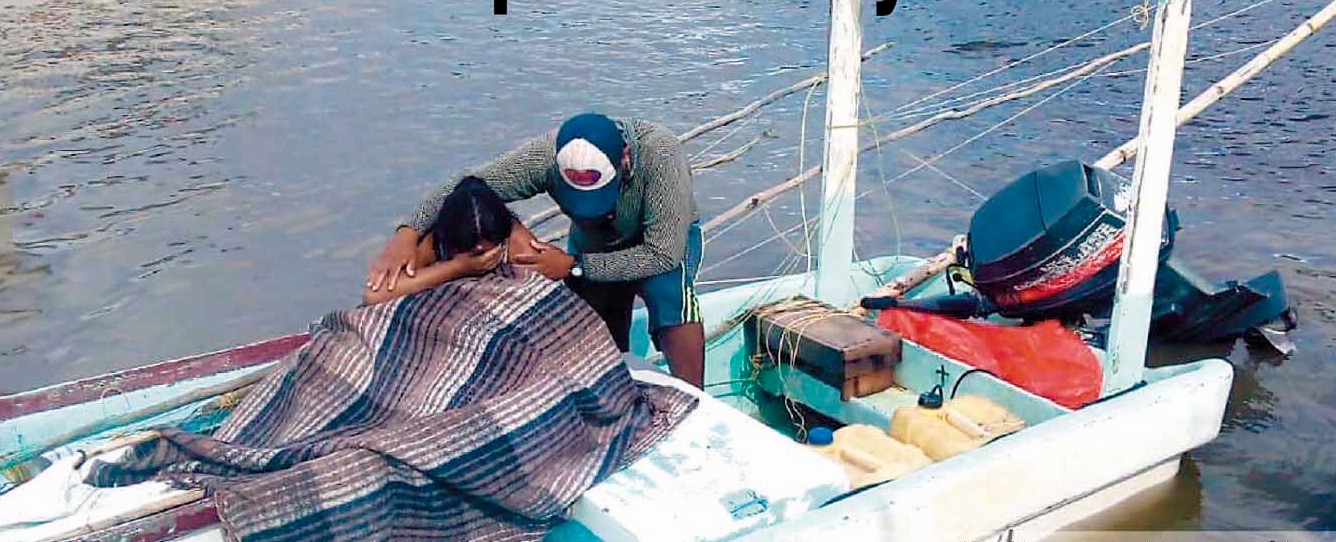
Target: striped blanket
pixel 480 410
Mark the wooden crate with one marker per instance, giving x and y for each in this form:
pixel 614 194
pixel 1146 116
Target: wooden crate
pixel 842 350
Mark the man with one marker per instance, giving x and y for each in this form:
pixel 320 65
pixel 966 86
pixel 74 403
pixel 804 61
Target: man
pixel 626 186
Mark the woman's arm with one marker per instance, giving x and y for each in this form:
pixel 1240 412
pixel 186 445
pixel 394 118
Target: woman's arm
pixel 432 273
pixel 438 273
pixel 427 277
pixel 426 252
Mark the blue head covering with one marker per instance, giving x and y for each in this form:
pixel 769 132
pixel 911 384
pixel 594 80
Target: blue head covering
pixel 589 157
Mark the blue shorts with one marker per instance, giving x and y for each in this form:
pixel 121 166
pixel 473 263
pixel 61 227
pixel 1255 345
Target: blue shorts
pixel 670 297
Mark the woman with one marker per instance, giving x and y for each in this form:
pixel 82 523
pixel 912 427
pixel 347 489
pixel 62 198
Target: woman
pixel 473 233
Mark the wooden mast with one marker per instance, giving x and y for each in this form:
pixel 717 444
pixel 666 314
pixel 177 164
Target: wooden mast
pixel 840 161
pixel 1135 292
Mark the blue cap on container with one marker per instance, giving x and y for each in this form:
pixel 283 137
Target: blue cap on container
pixel 820 436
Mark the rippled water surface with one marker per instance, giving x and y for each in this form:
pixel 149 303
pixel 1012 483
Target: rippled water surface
pixel 183 177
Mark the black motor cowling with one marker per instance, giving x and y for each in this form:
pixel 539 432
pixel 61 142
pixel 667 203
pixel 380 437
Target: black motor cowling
pixel 1048 244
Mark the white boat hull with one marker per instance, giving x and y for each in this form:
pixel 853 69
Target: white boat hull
pixel 1084 462
pixel 1034 482
pixel 1067 467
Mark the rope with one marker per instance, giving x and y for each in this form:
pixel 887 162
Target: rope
pixel 730 226
pixel 1233 14
pixel 1142 14
pixel 925 163
pixel 881 172
pixel 793 332
pixel 773 96
pixel 802 193
pixel 725 137
pixel 748 250
pixel 957 182
pixel 740 280
pixel 1209 58
pixel 1016 63
pixel 1008 120
pixel 942 106
pixel 773 192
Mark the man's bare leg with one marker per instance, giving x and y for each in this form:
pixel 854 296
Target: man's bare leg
pixel 684 347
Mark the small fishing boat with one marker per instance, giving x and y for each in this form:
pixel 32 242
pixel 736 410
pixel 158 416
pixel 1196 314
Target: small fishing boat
pixel 724 474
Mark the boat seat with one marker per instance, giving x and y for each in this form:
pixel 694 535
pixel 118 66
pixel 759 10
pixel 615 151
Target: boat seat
pixel 718 475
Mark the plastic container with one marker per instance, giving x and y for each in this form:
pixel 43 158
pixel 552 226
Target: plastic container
pixel 960 425
pixel 867 454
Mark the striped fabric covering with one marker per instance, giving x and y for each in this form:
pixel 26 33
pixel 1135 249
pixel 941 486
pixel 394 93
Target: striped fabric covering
pixel 480 410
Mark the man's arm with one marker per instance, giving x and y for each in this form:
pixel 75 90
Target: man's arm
pixel 669 210
pixel 516 175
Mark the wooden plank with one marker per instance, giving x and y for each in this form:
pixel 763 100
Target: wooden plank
pixel 165 525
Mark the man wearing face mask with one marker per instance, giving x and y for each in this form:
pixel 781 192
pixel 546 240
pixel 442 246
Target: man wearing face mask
pixel 626 186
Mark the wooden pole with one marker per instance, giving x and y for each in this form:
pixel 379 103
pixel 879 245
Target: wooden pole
pixel 1135 291
pixel 1231 82
pixel 840 163
pixel 796 181
pixel 915 277
pixel 1114 158
pixel 730 155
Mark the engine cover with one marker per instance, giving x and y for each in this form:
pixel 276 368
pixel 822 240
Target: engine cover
pixel 1048 244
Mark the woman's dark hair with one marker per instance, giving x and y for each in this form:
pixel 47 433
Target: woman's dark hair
pixel 470 214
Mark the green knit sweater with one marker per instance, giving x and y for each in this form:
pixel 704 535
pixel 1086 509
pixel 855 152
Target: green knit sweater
pixel 654 212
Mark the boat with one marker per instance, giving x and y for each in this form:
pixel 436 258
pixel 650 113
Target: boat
pixel 724 470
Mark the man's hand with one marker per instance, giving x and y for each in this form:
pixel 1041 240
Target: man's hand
pixel 477 264
pixel 551 261
pixel 399 254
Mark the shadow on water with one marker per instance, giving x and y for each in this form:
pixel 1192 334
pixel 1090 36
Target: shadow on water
pixel 8 258
pixel 17 269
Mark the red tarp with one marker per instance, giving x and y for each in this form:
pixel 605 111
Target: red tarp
pixel 1045 359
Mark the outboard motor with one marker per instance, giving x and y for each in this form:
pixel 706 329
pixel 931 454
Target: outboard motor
pixel 1048 244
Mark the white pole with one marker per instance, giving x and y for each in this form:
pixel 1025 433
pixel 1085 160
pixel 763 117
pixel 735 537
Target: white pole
pixel 1134 296
pixel 840 162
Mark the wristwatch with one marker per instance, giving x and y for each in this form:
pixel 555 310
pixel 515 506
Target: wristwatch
pixel 576 270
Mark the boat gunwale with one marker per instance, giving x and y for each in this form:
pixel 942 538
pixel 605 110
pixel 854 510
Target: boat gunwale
pixel 163 373
pixel 190 518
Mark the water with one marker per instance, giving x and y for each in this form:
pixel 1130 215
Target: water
pixel 180 178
